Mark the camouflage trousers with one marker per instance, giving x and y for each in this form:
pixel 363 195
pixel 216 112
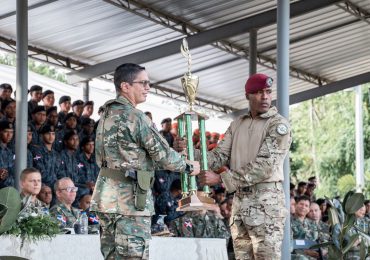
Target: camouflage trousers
pixel 257 222
pixel 124 237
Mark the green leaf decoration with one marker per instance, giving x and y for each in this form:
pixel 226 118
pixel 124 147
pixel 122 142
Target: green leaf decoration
pixel 334 253
pixel 352 240
pixel 348 194
pixel 354 203
pixel 3 210
pixel 333 216
pixel 11 199
pixel 325 244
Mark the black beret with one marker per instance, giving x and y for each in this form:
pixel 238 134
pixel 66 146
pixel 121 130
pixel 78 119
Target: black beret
pixel 5 124
pixel 35 88
pixel 5 103
pixel 47 92
pixel 63 99
pixel 86 140
pixel 86 121
pixel 46 129
pixel 69 134
pixel 6 86
pixel 89 103
pixel 51 109
pixel 77 102
pixel 38 109
pixel 166 120
pixel 69 115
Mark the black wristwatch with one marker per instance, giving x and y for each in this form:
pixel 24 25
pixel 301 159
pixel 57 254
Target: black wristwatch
pixel 189 168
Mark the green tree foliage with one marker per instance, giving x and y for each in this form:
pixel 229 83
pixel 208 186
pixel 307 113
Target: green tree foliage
pixel 324 140
pixel 34 66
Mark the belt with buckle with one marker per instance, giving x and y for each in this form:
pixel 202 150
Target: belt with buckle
pixel 262 185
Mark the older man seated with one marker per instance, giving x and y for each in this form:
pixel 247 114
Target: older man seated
pixel 63 211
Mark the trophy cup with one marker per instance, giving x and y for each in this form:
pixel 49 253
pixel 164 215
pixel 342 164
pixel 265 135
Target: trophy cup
pixel 192 198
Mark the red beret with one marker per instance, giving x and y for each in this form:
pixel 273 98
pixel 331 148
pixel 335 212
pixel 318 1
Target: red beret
pixel 257 82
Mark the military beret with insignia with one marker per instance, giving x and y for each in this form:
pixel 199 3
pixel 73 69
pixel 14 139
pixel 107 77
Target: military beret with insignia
pixel 77 102
pixel 46 129
pixel 5 124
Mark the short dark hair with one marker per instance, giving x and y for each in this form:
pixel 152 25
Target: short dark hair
pixel 366 201
pixel 302 183
pixel 27 171
pixel 126 72
pixel 303 197
pixel 312 178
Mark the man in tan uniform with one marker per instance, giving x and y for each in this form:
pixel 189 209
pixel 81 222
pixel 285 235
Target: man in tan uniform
pixel 254 148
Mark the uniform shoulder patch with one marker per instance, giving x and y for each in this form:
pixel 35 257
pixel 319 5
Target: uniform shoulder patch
pixel 282 129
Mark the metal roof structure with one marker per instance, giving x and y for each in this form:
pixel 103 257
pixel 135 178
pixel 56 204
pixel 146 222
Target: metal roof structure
pixel 329 42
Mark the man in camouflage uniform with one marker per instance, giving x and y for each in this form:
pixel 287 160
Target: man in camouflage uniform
pixel 363 225
pixel 254 146
pixel 304 229
pixel 128 149
pixel 63 211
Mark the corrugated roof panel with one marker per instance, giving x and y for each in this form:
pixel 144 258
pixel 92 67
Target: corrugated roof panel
pixel 94 31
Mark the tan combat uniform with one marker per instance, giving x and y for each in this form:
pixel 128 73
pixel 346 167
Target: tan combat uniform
pixel 254 149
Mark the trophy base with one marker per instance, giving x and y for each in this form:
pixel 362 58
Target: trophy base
pixel 196 202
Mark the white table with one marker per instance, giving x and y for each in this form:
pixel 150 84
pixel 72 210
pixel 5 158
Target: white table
pixel 77 247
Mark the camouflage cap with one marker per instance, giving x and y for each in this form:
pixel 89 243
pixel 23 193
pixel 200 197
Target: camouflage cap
pixel 38 109
pixel 6 86
pixel 47 92
pixel 77 102
pixel 5 124
pixel 46 129
pixel 63 99
pixel 35 88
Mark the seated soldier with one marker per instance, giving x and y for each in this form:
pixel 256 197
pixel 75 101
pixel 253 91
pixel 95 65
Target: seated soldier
pixel 200 224
pixel 93 220
pixel 6 155
pixel 45 195
pixel 30 183
pixel 63 211
pixel 323 228
pixel 89 170
pixel 303 229
pixel 363 225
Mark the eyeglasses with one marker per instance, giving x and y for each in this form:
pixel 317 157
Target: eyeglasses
pixel 70 189
pixel 144 83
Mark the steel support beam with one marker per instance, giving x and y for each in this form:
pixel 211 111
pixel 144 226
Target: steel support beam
pixel 355 10
pixel 318 92
pixel 252 52
pixel 144 10
pixel 199 39
pixel 10 14
pixel 156 88
pixel 283 16
pixel 22 90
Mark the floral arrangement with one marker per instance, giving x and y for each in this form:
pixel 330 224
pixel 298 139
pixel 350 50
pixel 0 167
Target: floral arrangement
pixel 31 222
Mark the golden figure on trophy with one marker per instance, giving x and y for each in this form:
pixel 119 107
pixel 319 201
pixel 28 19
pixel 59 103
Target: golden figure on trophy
pixel 192 198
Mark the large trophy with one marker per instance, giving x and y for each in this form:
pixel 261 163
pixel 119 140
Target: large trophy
pixel 192 199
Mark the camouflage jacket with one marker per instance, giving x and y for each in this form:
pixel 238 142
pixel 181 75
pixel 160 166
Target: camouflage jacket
pixel 254 148
pixel 30 207
pixel 304 230
pixel 125 140
pixel 65 217
pixel 199 224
